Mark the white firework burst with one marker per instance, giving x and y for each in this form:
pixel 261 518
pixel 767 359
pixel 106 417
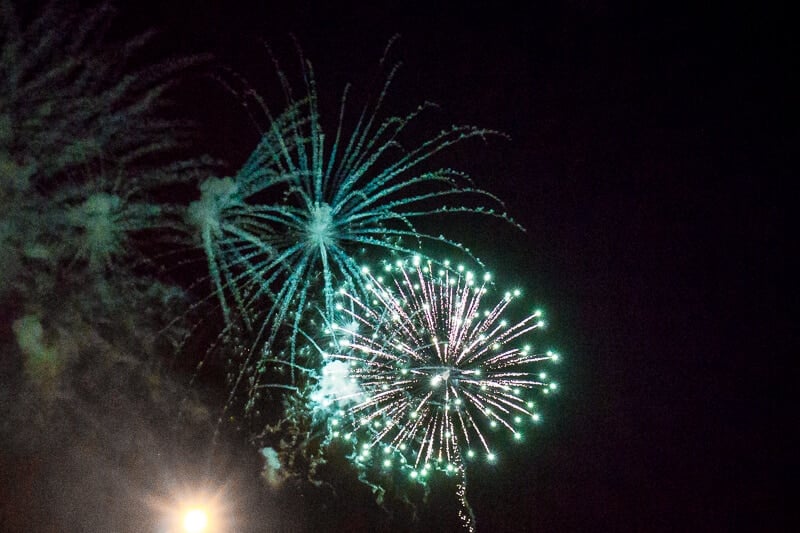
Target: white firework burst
pixel 439 376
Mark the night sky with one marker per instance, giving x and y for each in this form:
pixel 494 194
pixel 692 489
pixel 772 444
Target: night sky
pixel 649 162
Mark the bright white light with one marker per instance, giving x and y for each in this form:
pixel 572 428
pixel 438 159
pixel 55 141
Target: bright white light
pixel 335 384
pixel 195 520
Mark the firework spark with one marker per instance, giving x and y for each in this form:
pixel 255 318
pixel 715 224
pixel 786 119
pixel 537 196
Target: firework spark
pixel 439 375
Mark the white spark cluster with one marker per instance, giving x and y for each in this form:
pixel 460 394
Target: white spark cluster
pixel 444 377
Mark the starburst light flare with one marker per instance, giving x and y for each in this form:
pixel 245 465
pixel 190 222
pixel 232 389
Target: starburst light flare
pixel 438 377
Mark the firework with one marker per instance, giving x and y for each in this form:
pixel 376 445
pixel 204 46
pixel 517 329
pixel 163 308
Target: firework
pixel 69 96
pixel 434 377
pixel 79 126
pixel 293 223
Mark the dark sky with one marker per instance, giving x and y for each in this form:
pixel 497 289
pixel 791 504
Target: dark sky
pixel 649 162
